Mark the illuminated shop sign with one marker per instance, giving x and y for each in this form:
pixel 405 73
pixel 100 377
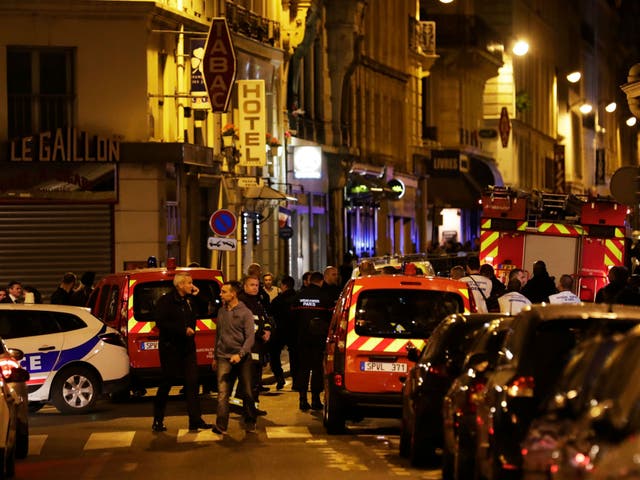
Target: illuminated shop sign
pixel 64 145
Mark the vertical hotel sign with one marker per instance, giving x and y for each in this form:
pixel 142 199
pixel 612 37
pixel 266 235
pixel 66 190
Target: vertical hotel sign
pixel 253 123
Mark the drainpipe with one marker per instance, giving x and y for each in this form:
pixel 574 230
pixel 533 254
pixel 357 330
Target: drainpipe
pixel 180 83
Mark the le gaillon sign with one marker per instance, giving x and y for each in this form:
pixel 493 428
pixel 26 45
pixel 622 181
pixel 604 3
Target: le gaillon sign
pixel 64 145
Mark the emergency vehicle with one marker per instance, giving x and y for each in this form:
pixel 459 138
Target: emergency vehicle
pixel 576 235
pixel 376 320
pixel 126 301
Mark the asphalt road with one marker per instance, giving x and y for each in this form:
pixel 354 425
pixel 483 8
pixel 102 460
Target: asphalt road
pixel 116 442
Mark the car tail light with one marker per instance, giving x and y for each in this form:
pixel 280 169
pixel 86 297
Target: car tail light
pixel 338 380
pixel 521 387
pixel 7 366
pixel 437 370
pixel 474 394
pixel 113 338
pixel 341 331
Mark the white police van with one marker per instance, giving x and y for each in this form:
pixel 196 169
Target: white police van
pixel 71 356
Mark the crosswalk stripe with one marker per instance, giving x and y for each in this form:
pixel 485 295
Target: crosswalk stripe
pixel 288 432
pixel 36 442
pixel 186 436
pixel 102 440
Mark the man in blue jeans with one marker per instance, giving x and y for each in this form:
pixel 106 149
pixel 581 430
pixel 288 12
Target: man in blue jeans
pixel 232 356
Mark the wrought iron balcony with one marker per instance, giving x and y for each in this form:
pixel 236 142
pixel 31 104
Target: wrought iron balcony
pixel 243 21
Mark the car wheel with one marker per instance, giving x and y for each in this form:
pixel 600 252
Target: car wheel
pixel 10 462
pixel 75 390
pixel 447 464
pixel 405 439
pixel 463 459
pixel 22 440
pixel 421 450
pixel 332 415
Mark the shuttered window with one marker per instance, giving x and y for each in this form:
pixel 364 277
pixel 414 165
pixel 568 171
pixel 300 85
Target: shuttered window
pixel 39 243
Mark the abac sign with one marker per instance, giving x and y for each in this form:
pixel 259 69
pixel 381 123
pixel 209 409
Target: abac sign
pixel 219 65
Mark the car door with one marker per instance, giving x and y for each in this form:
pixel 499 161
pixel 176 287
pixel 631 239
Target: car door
pixel 37 334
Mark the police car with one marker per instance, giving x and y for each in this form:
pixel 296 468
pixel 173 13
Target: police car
pixel 71 356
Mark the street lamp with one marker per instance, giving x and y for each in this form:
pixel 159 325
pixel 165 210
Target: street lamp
pixel 574 77
pixel 520 48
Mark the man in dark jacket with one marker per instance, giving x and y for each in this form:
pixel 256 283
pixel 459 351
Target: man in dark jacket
pixel 312 312
pixel 541 285
pixel 176 322
pixel 285 331
pixel 251 298
pixel 62 295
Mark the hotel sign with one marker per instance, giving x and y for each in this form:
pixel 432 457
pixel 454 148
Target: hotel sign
pixel 252 109
pixel 64 145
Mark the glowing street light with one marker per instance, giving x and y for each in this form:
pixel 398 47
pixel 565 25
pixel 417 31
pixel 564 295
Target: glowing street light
pixel 611 107
pixel 585 108
pixel 574 77
pixel 520 48
pixel 631 121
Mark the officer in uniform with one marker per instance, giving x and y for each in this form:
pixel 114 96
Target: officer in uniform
pixel 312 312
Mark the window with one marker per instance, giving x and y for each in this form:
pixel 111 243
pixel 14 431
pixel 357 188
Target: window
pixel 145 296
pixel 68 322
pixel 19 324
pixel 40 89
pixel 403 313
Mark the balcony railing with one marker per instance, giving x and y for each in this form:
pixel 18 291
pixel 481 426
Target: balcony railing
pixel 422 37
pixel 243 21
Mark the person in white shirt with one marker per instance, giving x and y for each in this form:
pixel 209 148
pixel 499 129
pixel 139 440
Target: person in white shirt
pixel 565 295
pixel 512 302
pixel 479 285
pixel 269 287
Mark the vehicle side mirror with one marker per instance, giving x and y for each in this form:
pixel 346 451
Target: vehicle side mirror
pixel 16 353
pixel 18 375
pixel 413 353
pixel 605 423
pixel 478 361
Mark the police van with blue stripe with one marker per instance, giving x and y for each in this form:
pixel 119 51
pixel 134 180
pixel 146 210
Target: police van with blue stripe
pixel 71 356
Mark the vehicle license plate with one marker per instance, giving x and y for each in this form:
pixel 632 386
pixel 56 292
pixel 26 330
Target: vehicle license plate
pixel 383 367
pixel 148 345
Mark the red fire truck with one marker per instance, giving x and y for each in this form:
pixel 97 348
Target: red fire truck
pixel 581 236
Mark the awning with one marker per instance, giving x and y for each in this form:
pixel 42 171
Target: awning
pixel 264 192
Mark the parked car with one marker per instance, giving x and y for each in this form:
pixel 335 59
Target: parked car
pixel 460 402
pixel 604 443
pixel 439 363
pixel 126 301
pixel 396 264
pixel 571 399
pixel 375 319
pixel 534 352
pixel 14 413
pixel 71 356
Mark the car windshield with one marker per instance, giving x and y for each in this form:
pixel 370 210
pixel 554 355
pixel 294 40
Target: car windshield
pixel 147 294
pixel 403 313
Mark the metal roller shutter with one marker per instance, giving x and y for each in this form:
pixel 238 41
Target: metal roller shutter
pixel 39 243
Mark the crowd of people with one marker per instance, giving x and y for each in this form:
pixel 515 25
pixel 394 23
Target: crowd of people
pixel 70 291
pixel 256 322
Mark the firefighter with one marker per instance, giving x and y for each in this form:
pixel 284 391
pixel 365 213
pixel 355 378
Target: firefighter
pixel 312 314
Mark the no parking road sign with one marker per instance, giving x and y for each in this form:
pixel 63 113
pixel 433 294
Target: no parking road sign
pixel 223 222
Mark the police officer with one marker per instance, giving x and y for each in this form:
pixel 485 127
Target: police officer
pixel 312 312
pixel 176 322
